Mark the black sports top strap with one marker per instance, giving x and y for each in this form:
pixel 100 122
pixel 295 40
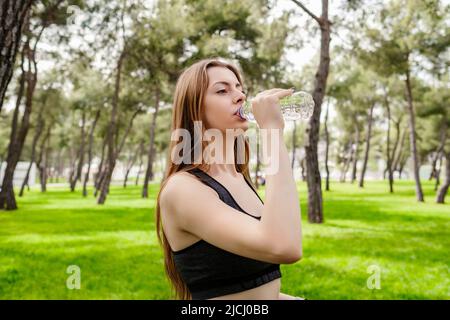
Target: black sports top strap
pixel 223 192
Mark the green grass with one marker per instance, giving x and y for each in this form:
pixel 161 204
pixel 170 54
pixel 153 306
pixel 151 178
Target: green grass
pixel 116 248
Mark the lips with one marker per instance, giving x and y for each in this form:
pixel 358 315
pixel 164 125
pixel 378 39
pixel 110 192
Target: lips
pixel 237 111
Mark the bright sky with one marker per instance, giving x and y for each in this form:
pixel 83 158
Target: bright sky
pixel 303 56
pixel 297 57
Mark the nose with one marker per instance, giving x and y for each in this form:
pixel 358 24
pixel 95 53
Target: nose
pixel 240 97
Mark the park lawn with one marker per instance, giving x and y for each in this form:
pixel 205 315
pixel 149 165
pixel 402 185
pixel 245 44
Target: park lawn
pixel 116 248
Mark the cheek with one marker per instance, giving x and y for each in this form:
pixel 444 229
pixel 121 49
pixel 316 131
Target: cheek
pixel 214 119
pixel 216 114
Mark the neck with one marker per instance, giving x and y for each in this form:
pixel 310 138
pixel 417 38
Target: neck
pixel 223 169
pixel 222 162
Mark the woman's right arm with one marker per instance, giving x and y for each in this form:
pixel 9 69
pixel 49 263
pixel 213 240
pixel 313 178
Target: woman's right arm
pixel 197 209
pixel 276 238
pixel 281 217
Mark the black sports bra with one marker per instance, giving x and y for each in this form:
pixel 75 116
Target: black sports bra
pixel 209 271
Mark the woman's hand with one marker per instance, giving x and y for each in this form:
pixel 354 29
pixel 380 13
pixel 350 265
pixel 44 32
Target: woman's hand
pixel 266 108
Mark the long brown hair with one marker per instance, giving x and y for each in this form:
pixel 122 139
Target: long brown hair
pixel 187 108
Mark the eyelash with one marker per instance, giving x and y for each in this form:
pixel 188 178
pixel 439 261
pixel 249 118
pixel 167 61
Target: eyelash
pixel 244 92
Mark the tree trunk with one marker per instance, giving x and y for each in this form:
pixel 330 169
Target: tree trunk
pixel 41 160
pixel 151 150
pixel 101 178
pixel 131 162
pixel 2 156
pixel 37 135
pixel 51 168
pixel 127 172
pixel 46 161
pixel 111 133
pixel 106 174
pixel 106 181
pixel 91 142
pixel 439 151
pixel 366 153
pixel 356 151
pixel 99 173
pixel 327 145
pixel 59 165
pixel 7 192
pixel 402 163
pixel 315 208
pixel 73 157
pixel 19 133
pixel 434 161
pixel 399 154
pixel 303 166
pixel 440 198
pixel 348 160
pixel 139 168
pixel 412 138
pixel 13 15
pixel 394 150
pixel 438 173
pixel 78 171
pixel 388 141
pixel 435 157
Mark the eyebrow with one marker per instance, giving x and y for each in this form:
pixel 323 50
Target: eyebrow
pixel 227 83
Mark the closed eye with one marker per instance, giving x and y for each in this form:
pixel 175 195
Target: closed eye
pixel 224 91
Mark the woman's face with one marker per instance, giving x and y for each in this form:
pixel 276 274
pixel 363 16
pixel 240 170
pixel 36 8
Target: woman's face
pixel 223 98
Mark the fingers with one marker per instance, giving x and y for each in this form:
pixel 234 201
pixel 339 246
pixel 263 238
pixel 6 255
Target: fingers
pixel 283 93
pixel 271 92
pixel 268 92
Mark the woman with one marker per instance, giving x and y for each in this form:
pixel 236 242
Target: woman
pixel 220 240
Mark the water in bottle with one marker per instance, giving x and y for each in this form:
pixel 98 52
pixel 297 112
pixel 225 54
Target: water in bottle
pixel 299 105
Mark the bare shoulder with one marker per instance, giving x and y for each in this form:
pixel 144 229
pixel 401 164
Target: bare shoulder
pixel 178 182
pixel 178 186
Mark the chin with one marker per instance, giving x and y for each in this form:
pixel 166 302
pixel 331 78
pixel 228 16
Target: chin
pixel 242 126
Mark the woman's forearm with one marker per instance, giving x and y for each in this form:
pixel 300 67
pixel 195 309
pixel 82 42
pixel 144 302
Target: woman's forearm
pixel 281 215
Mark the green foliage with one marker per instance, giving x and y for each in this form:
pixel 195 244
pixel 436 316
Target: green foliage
pixel 404 34
pixel 408 241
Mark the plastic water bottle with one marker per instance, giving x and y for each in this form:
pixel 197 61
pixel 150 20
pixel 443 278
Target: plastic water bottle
pixel 299 105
